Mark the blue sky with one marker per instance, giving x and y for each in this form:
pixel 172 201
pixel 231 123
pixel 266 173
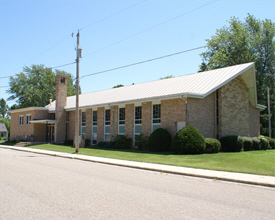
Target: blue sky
pixel 113 34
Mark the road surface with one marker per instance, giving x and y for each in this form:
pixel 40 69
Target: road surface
pixel 35 186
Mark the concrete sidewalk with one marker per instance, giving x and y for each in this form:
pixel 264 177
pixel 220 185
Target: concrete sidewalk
pixel 210 174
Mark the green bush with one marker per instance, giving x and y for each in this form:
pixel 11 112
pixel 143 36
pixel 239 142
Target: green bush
pixel 159 140
pixel 256 143
pixel 122 142
pixel 142 142
pixel 188 140
pixel 87 142
pixel 264 143
pixel 212 145
pixel 247 144
pixel 271 142
pixel 231 143
pixel 103 144
pixel 69 142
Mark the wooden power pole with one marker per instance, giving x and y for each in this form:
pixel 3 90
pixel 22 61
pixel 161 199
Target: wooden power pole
pixel 268 109
pixel 78 54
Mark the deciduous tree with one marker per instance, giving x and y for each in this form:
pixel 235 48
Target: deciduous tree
pixel 242 42
pixel 35 86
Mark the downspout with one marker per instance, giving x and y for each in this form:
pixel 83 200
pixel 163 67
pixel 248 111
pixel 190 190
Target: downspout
pixel 185 99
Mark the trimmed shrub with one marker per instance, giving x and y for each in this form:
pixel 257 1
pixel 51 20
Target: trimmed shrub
pixel 231 143
pixel 103 144
pixel 212 145
pixel 142 142
pixel 87 142
pixel 69 142
pixel 188 140
pixel 264 143
pixel 122 142
pixel 271 142
pixel 247 144
pixel 159 140
pixel 256 142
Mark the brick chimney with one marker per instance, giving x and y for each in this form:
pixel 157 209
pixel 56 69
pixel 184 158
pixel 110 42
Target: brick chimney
pixel 60 103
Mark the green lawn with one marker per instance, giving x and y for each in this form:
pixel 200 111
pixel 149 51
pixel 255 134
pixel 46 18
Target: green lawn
pixel 254 162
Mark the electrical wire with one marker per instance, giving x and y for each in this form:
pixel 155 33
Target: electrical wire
pixel 125 9
pixel 148 29
pixel 145 61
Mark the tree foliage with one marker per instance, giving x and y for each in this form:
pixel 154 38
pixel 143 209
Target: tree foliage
pixel 35 86
pixel 3 108
pixel 242 42
pixel 117 86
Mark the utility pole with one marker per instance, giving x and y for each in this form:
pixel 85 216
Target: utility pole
pixel 268 109
pixel 78 53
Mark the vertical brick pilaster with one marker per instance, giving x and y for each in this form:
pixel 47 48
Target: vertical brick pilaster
pixel 100 124
pixel 146 118
pixel 129 120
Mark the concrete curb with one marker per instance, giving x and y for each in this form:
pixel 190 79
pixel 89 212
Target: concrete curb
pixel 268 181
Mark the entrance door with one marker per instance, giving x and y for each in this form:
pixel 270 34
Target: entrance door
pixel 50 133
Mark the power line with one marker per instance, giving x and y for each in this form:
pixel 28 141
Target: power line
pixel 148 29
pixel 125 9
pixel 67 64
pixel 145 61
pixel 62 65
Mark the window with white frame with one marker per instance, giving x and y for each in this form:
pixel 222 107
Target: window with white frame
pixel 138 119
pixel 121 121
pixel 156 121
pixel 83 122
pixel 137 123
pixel 21 119
pixel 94 127
pixel 28 119
pixel 107 123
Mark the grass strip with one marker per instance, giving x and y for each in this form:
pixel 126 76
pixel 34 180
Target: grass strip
pixel 253 162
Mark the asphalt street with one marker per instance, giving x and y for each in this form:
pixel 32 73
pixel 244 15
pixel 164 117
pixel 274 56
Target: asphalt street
pixel 36 186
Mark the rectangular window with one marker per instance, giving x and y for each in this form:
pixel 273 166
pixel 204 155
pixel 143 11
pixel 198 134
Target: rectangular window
pixel 156 116
pixel 21 119
pixel 138 119
pixel 83 123
pixel 28 119
pixel 94 128
pixel 107 116
pixel 107 122
pixel 121 121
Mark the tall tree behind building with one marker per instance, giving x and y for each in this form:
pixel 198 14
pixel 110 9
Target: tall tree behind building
pixel 242 42
pixel 35 86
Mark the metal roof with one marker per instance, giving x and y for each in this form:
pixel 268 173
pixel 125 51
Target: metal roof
pixel 196 85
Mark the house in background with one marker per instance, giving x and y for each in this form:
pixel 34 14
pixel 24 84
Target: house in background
pixel 218 102
pixel 3 131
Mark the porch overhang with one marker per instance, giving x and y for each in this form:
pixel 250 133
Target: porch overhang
pixel 43 121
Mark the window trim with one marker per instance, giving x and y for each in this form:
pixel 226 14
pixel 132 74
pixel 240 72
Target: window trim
pixel 21 120
pixel 83 126
pixel 152 122
pixel 28 119
pixel 94 126
pixel 107 125
pixel 121 122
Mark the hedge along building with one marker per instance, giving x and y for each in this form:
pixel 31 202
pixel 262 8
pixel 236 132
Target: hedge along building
pixel 218 102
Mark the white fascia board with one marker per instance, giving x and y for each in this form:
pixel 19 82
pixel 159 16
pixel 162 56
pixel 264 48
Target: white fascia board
pixel 27 109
